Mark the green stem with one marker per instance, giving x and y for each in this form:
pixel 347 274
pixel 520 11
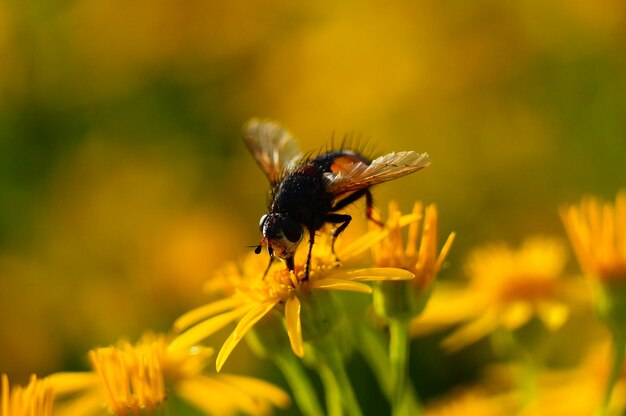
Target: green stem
pixel 373 347
pixel 619 342
pixel 507 346
pixel 269 340
pixel 399 360
pixel 331 391
pixel 303 392
pixel 333 370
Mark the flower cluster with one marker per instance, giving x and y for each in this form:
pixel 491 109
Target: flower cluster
pixel 300 320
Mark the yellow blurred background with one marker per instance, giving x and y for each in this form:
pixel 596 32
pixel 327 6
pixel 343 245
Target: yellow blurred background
pixel 124 181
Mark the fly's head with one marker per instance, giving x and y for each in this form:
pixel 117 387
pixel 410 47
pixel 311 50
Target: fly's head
pixel 282 234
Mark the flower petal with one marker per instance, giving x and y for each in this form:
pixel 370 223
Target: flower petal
pixel 552 314
pixel 207 328
pixel 252 317
pixel 215 397
pixel 196 315
pixel 449 305
pixel 247 322
pixel 294 328
pixel 258 387
pixel 516 315
pixel 64 383
pixel 373 273
pixel 471 332
pixel 366 241
pixel 444 251
pixel 87 403
pixel 340 284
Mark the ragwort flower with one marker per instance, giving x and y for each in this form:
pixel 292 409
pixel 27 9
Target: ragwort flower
pixel 473 402
pixel 507 288
pixel 584 387
pixel 289 293
pixel 598 235
pixel 137 379
pixel 419 255
pixel 35 399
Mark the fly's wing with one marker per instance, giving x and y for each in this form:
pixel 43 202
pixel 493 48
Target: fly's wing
pixel 273 147
pixel 354 175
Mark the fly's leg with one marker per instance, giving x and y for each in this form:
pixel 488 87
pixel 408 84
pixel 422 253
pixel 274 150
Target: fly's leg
pixel 270 251
pixel 267 269
pixel 369 204
pixel 369 208
pixel 343 220
pixel 307 267
pixel 350 199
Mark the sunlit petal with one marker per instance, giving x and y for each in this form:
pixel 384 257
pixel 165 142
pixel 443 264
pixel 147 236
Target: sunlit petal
pixel 553 314
pixel 65 383
pixel 247 322
pixel 516 315
pixel 203 312
pixel 340 284
pixel 361 244
pixel 294 329
pixel 252 318
pixel 443 254
pixel 264 389
pixel 207 394
pixel 471 332
pixel 84 404
pixel 207 328
pixel 380 273
pixel 366 241
pixel 450 305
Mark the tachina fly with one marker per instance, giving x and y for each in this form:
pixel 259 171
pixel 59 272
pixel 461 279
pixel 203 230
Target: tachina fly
pixel 307 192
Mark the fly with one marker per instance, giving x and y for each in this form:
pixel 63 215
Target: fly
pixel 308 192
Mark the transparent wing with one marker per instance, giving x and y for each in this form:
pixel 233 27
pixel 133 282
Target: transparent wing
pixel 359 175
pixel 273 147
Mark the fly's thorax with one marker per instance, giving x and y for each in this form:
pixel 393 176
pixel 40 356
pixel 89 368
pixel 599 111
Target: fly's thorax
pixel 303 196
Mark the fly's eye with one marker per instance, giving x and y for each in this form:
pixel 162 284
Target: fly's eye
pixel 262 221
pixel 292 230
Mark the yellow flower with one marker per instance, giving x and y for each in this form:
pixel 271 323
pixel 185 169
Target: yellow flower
pixel 507 288
pixel 137 379
pixel 420 254
pixel 474 402
pixel 598 235
pixel 286 291
pixel 35 399
pixel 420 257
pixel 583 388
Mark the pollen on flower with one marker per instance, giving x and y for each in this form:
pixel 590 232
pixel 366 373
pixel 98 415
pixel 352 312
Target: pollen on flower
pixel 130 376
pixel 252 297
pixel 278 286
pixel 136 379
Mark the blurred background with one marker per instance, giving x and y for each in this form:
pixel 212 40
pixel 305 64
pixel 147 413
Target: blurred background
pixel 124 181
